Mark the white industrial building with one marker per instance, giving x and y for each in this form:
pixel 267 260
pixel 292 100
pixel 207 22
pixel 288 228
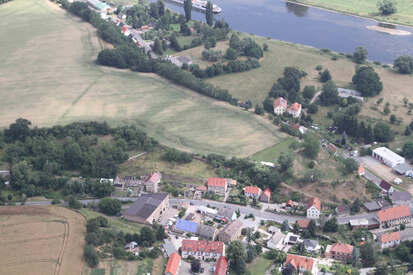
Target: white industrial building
pixel 387 156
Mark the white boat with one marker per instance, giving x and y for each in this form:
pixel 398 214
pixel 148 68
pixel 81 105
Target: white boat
pixel 200 5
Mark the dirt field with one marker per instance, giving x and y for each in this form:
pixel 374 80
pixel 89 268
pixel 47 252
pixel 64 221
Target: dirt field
pixel 49 76
pixel 41 240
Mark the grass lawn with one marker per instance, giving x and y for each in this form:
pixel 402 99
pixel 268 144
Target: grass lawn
pixel 259 265
pixel 123 225
pixel 272 153
pixel 68 86
pixel 98 271
pixel 367 8
pixel 194 172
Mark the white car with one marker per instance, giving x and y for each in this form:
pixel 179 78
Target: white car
pixel 397 181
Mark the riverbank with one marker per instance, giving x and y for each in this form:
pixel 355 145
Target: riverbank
pixel 365 9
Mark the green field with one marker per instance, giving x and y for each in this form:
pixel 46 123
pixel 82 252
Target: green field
pixel 48 76
pixel 367 8
pixel 272 153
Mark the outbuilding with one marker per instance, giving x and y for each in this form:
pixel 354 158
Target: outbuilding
pixel 387 157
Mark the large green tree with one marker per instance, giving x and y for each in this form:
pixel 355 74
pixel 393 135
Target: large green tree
pixel 387 7
pixel 188 9
pixel 408 149
pixel 21 174
pixel 383 132
pixel 360 55
pixel 236 255
pixel 367 81
pixel 311 146
pixel 110 206
pixel 209 13
pixel 329 96
pixel 403 64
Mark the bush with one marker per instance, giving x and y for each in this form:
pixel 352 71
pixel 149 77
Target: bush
pixel 110 206
pixel 90 255
pixel 173 155
pixel 74 203
pixel 55 201
pixel 325 76
pixel 387 7
pixel 319 67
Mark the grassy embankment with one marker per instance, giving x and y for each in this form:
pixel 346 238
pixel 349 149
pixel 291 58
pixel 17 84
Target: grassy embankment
pixel 49 76
pixel 366 8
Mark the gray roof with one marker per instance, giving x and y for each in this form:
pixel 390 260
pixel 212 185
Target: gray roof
pixel 342 209
pixel 310 243
pixel 402 168
pixel 205 231
pixel 190 217
pixel 376 205
pixel 232 228
pixel 225 212
pixel 169 248
pixel 400 196
pixel 146 204
pixel 184 59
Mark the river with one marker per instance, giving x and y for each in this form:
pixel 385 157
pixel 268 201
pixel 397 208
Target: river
pixel 310 26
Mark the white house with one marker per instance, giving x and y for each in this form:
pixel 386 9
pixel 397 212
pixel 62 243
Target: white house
pixel 311 246
pixel 252 192
pixel 389 240
pixel 276 241
pixel 313 208
pixel 387 156
pixel 295 109
pixel 280 106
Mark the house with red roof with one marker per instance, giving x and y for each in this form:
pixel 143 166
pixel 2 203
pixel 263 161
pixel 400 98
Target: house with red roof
pixel 361 171
pixel 301 264
pixel 151 182
pixel 280 106
pixel 339 251
pixel 252 192
pixel 393 216
pixel 266 195
pixel 289 205
pixel 221 266
pixel 173 264
pixel 313 208
pixel 202 250
pixel 295 109
pixel 303 224
pixel 389 240
pixel 217 185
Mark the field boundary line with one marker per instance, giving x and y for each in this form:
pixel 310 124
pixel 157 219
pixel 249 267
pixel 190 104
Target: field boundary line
pixel 64 246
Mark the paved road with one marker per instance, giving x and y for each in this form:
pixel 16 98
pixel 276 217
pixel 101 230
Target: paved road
pixel 137 156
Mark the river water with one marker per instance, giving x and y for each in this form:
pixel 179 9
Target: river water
pixel 309 26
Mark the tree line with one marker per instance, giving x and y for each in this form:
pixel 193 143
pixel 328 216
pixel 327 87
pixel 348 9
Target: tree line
pixel 41 157
pixel 128 55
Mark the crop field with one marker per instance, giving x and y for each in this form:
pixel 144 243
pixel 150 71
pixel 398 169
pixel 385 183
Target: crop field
pixel 367 8
pixel 48 75
pixel 41 240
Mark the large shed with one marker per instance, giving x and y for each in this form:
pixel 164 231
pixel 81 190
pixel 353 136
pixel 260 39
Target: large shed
pixel 387 156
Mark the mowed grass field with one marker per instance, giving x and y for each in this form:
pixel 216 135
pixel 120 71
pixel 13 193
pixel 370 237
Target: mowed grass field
pixel 257 83
pixel 41 240
pixel 48 75
pixel 367 8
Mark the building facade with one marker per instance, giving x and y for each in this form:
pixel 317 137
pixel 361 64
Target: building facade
pixel 147 208
pixel 231 232
pixel 280 106
pixel 387 156
pixel 202 250
pixel 313 208
pixel 217 185
pixel 393 216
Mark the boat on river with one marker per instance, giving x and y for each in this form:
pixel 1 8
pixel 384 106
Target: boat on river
pixel 199 5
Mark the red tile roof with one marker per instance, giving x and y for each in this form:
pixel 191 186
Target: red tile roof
pixel 219 182
pixel 393 213
pixel 361 170
pixel 342 248
pixel 124 29
pixel 267 192
pixel 332 147
pixel 221 266
pixel 303 223
pixel 280 102
pixel 153 177
pixel 203 246
pixel 173 264
pixel 299 261
pixel 314 202
pixel 290 203
pixel 252 190
pixel 201 188
pixel 295 107
pixel 390 237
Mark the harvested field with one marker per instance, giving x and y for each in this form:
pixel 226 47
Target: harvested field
pixel 49 76
pixel 41 240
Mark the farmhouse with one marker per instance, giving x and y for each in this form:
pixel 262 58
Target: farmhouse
pixel 226 214
pixel 266 195
pixel 339 251
pixel 387 156
pixel 252 192
pixel 313 208
pixel 295 109
pixel 173 264
pixel 231 231
pixel 389 240
pixel 217 185
pixel 147 208
pixel 280 106
pixel 301 264
pixel 202 249
pixel 393 216
pixel 151 182
pixel 221 266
